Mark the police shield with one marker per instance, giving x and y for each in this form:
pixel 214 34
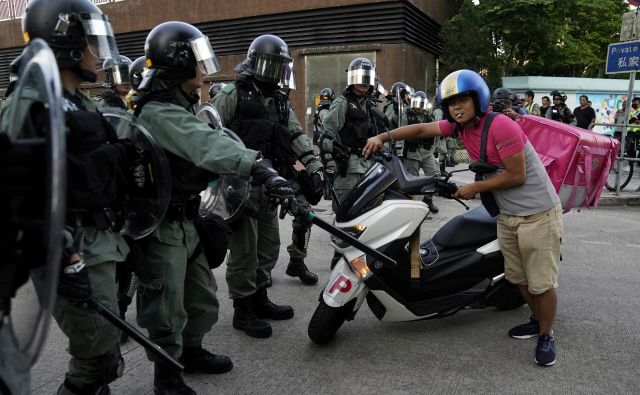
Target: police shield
pixel 32 207
pixel 149 176
pixel 225 196
pixel 209 115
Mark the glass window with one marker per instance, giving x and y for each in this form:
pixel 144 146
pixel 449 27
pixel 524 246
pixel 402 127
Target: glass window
pixel 326 71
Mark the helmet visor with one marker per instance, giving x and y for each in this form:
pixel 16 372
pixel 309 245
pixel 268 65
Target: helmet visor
pixel 419 102
pixel 270 68
pixel 381 90
pixel 99 35
pixel 361 76
pixel 118 74
pixel 205 57
pixel 288 78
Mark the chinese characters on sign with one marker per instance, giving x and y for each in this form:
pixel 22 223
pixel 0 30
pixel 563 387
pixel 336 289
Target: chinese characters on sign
pixel 623 57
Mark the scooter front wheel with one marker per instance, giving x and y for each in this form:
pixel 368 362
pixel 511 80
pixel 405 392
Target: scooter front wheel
pixel 325 322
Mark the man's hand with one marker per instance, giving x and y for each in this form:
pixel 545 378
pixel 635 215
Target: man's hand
pixel 374 144
pixel 74 284
pixel 510 113
pixel 466 192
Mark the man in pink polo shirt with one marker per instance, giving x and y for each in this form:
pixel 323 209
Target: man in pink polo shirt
pixel 529 223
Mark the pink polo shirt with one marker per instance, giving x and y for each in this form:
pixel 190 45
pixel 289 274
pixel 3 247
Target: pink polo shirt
pixel 505 138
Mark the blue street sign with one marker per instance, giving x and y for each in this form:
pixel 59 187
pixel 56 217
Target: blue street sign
pixel 623 57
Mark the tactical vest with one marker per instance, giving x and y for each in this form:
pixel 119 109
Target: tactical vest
pixel 358 125
pixel 380 121
pixel 187 179
pixel 412 119
pixel 264 129
pixel 112 100
pixel 96 168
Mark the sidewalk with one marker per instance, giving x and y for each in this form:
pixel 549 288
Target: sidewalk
pixel 629 196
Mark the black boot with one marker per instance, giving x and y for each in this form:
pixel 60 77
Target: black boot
pixel 167 380
pixel 98 388
pixel 197 359
pixel 297 268
pixel 264 308
pixel 429 201
pixel 245 319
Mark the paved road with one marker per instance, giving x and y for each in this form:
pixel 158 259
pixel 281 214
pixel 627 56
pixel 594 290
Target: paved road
pixel 597 332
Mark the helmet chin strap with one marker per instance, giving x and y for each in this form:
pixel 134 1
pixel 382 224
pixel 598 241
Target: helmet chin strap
pixel 86 75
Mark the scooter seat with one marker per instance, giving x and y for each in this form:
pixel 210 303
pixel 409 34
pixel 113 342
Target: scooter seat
pixel 407 182
pixel 473 228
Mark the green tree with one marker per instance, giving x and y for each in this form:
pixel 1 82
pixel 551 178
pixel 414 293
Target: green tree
pixel 532 37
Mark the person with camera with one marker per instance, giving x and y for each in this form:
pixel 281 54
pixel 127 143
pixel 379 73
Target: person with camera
pixel 559 110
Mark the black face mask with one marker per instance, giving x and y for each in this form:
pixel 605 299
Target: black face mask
pixel 634 105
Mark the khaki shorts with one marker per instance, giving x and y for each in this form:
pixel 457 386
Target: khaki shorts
pixel 531 248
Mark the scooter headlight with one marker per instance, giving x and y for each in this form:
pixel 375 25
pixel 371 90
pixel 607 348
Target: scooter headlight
pixel 353 231
pixel 360 267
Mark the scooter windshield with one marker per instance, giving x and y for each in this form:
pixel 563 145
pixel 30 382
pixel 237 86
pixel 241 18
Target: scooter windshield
pixel 367 193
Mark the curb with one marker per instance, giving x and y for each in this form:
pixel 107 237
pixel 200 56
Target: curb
pixel 622 200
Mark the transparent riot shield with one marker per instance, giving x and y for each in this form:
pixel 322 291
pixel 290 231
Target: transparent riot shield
pixel 32 207
pixel 226 195
pixel 208 114
pixel 147 197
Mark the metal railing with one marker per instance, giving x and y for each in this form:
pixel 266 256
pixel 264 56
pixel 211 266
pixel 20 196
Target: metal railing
pixel 13 9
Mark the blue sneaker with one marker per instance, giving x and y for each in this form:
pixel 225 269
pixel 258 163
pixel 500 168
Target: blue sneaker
pixel 546 350
pixel 526 331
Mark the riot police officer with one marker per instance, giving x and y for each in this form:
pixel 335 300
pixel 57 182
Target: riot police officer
pixel 559 110
pixel 347 126
pixel 79 35
pixel 136 72
pixel 326 97
pixel 116 71
pixel 254 107
pixel 391 107
pixel 176 298
pixel 418 153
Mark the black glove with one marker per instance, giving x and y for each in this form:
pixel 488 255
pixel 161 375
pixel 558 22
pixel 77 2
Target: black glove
pixel 135 163
pixel 318 182
pixel 278 189
pixel 74 284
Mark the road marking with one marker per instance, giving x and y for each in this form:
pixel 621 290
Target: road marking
pixel 604 243
pixel 633 245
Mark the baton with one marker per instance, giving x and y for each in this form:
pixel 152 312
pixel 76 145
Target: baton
pixel 310 216
pixel 135 334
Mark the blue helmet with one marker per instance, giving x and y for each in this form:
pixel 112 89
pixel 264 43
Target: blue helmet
pixel 463 82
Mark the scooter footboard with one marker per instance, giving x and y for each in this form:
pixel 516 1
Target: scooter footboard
pixel 344 286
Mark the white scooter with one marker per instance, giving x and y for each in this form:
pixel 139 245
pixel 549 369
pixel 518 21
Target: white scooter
pixel 401 279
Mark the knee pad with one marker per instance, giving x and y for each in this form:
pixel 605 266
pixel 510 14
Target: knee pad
pixel 111 365
pixel 301 234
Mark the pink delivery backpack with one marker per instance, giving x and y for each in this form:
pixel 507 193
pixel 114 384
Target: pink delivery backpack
pixel 577 160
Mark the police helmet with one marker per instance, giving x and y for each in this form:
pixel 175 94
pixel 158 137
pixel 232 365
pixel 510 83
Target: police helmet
pixel 267 59
pixel 136 72
pixel 419 100
pixel 70 26
pixel 405 91
pixel 116 71
pixel 327 95
pixel 361 72
pixel 460 83
pixel 557 93
pixel 215 88
pixel 173 51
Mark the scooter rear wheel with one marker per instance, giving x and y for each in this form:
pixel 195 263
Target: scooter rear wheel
pixel 325 322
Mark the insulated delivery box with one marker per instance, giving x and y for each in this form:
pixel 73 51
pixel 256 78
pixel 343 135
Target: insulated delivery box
pixel 577 160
